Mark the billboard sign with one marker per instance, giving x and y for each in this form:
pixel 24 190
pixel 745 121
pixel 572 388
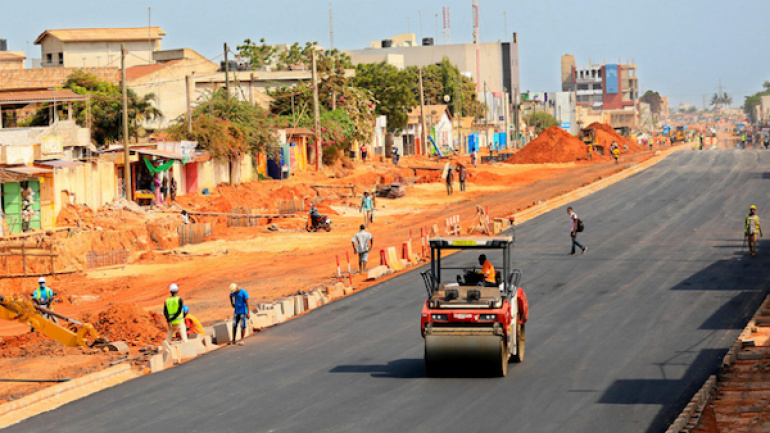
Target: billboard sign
pixel 611 79
pixel 52 145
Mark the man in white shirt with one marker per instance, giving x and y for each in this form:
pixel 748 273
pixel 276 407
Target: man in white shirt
pixel 362 244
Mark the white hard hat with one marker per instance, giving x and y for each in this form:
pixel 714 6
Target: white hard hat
pixel 173 287
pixel 41 280
pixel 233 288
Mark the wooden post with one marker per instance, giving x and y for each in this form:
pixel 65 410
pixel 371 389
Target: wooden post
pixel 188 97
pixel 24 258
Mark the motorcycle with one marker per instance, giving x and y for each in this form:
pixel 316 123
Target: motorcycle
pixel 321 222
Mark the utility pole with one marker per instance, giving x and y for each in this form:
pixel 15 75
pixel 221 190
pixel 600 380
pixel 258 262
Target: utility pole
pixel 476 44
pixel 486 105
pixel 316 115
pixel 505 18
pixel 423 136
pixel 126 159
pixel 420 13
pixel 227 77
pixel 188 111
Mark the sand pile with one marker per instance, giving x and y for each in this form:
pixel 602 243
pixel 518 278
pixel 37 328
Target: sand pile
pixel 33 344
pixel 129 323
pixel 553 145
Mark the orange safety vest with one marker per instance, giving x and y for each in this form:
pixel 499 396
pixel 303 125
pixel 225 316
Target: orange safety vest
pixel 489 271
pixel 193 325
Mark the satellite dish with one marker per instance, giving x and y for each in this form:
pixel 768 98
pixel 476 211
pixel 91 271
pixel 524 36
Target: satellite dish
pixel 447 98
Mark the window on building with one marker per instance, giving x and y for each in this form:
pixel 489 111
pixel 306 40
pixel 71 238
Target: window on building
pixel 600 73
pixel 61 58
pixel 49 58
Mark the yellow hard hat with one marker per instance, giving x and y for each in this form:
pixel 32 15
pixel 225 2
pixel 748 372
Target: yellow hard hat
pixel 233 288
pixel 753 207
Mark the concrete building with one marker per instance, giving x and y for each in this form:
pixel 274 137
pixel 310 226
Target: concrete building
pixel 439 127
pixel 12 60
pixel 601 86
pixel 166 80
pixel 496 71
pixel 74 48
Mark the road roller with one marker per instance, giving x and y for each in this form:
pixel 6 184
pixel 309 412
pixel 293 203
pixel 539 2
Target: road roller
pixel 473 321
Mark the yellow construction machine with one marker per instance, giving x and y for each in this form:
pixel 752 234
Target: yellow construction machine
pixel 28 313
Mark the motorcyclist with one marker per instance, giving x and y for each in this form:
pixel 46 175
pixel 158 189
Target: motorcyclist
pixel 315 216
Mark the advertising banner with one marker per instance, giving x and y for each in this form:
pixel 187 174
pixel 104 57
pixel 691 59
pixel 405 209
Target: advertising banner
pixel 611 79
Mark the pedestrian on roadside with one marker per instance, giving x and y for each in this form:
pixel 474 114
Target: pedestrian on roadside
pixel 475 158
pixel 590 150
pixel 462 176
pixel 239 300
pixel 164 188
pixel 752 229
pixel 573 228
pixel 173 311
pixel 395 156
pixel 362 243
pixel 616 154
pixel 367 205
pixel 187 218
pixel 172 189
pixel 364 152
pixel 450 177
pixel 193 325
pixel 700 138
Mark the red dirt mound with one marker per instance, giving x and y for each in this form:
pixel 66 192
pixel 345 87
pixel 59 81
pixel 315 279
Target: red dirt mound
pixel 33 344
pixel 605 135
pixel 129 323
pixel 553 145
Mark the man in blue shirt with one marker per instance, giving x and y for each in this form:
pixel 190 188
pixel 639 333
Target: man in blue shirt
pixel 44 297
pixel 239 300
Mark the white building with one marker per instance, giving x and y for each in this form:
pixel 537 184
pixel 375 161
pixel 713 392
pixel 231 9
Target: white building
pixel 76 48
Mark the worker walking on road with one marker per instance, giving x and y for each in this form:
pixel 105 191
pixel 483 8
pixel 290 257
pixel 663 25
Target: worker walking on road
pixel 752 229
pixel 574 222
pixel 239 300
pixel 616 154
pixel 362 243
pixel 173 310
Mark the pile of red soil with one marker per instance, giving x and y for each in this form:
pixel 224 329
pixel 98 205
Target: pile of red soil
pixel 33 344
pixel 553 145
pixel 129 323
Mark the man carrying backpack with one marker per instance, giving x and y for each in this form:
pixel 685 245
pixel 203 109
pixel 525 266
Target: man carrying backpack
pixel 575 227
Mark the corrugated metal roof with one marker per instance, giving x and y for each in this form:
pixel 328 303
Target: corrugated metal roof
pixel 137 71
pixel 58 163
pixel 103 35
pixel 161 154
pixel 12 55
pixel 28 170
pixel 27 97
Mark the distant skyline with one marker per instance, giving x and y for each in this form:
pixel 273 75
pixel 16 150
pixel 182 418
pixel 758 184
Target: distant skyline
pixel 682 48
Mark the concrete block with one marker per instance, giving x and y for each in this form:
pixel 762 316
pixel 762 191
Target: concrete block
pixel 311 303
pixel 188 349
pixel 156 363
pixel 335 291
pixel 172 355
pixel 287 307
pixel 377 272
pixel 223 332
pixel 327 299
pixel 262 321
pixel 349 290
pixel 299 305
pixel 118 346
pixel 319 297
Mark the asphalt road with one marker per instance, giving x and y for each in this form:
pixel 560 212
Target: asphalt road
pixel 618 340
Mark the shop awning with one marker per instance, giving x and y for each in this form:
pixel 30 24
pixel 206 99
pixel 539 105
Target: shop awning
pixel 28 170
pixel 160 154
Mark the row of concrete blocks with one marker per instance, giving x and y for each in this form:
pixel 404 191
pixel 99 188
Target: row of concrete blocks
pixel 266 314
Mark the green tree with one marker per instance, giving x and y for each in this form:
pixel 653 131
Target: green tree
pixel 444 79
pixel 258 55
pixel 753 101
pixel 106 108
pixel 228 127
pixel 391 90
pixel 540 120
pixel 654 99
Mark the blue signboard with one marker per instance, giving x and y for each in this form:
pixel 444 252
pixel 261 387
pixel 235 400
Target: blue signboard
pixel 611 79
pixel 566 126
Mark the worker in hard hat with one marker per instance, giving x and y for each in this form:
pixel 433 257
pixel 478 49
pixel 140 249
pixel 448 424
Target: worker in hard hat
pixel 752 229
pixel 239 300
pixel 173 310
pixel 44 297
pixel 193 325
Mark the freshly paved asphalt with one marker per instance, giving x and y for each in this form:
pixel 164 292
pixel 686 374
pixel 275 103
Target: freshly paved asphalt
pixel 618 340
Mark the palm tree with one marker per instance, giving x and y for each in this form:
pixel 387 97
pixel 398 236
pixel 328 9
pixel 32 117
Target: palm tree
pixel 142 109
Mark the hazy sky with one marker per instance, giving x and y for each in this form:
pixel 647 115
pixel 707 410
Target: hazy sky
pixel 682 47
